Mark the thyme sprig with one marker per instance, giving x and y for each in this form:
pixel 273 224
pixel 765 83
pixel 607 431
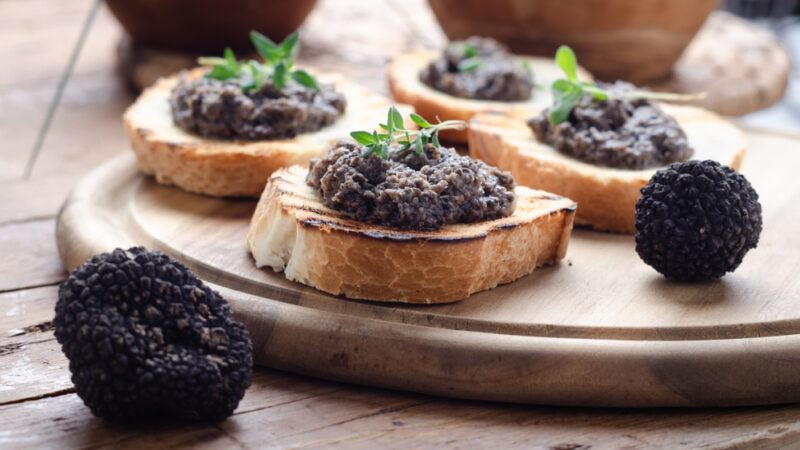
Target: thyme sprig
pixel 471 60
pixel 277 67
pixel 568 92
pixel 394 131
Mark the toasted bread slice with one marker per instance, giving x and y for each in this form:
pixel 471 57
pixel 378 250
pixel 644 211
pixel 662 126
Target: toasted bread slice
pixel 292 231
pixel 406 87
pixel 234 168
pixel 606 197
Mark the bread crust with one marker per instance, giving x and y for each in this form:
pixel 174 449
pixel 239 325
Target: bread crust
pixel 234 168
pixel 293 232
pixel 406 87
pixel 606 197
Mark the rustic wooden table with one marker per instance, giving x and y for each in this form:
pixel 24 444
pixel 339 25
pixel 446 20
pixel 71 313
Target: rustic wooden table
pixel 38 407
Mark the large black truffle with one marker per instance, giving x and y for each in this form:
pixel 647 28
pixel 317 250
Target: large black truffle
pixel 146 339
pixel 696 220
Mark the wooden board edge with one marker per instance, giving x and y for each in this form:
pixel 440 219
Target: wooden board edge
pixel 470 364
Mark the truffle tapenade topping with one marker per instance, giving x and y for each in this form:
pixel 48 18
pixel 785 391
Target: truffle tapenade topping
pixel 568 92
pixel 479 68
pixel 405 179
pixel 696 220
pixel 254 100
pixel 613 125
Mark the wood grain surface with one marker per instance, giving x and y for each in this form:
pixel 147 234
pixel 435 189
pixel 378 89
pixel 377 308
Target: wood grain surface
pixel 280 410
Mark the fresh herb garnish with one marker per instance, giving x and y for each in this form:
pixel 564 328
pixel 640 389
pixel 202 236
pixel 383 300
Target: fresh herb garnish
pixel 471 59
pixel 526 66
pixel 395 132
pixel 568 92
pixel 278 65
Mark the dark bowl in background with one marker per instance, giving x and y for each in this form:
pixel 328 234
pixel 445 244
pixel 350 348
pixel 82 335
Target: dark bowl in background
pixel 634 40
pixel 207 25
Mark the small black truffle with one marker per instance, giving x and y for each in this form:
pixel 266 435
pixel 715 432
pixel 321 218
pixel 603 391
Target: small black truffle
pixel 146 339
pixel 696 220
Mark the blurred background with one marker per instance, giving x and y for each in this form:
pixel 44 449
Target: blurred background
pixel 738 51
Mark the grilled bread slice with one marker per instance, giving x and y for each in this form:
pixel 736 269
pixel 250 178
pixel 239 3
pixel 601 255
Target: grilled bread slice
pixel 292 231
pixel 406 87
pixel 606 197
pixel 234 168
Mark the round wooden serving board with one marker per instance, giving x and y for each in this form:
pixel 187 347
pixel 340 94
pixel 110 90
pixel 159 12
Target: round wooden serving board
pixel 599 329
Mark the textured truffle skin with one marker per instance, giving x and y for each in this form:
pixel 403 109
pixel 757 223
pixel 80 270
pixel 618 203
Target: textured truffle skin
pixel 146 339
pixel 696 220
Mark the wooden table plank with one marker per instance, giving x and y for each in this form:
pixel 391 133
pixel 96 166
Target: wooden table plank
pixel 38 37
pixel 32 258
pixel 290 411
pixel 279 409
pixel 25 310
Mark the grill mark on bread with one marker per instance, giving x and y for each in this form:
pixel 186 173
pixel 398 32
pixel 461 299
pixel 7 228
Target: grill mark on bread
pixel 292 231
pixel 336 224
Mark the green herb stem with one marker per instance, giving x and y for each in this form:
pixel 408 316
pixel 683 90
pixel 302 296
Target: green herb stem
pixel 394 131
pixel 567 93
pixel 278 65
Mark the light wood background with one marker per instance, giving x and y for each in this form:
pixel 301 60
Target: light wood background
pixel 38 408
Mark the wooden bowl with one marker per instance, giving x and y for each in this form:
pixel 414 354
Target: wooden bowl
pixel 634 40
pixel 207 25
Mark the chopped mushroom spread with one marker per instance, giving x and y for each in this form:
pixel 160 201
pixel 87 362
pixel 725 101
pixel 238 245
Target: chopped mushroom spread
pixel 409 190
pixel 479 68
pixel 617 132
pixel 221 109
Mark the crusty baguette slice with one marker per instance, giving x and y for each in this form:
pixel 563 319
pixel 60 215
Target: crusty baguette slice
pixel 292 231
pixel 406 87
pixel 606 197
pixel 234 168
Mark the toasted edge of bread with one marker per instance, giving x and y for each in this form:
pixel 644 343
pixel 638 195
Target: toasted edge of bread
pixel 235 168
pixel 406 87
pixel 606 197
pixel 293 232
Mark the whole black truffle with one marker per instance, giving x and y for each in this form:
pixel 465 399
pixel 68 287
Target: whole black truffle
pixel 696 220
pixel 146 339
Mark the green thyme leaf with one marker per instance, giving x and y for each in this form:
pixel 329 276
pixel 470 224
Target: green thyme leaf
pixel 565 97
pixel 389 126
pixel 279 75
pixel 211 61
pixel 289 46
pixel 418 145
pixel 469 64
pixel 384 150
pixel 221 73
pixel 265 47
pixel 470 51
pixel 305 79
pixel 257 72
pixel 566 59
pixel 419 120
pixel 232 63
pixel 396 119
pixel 363 137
